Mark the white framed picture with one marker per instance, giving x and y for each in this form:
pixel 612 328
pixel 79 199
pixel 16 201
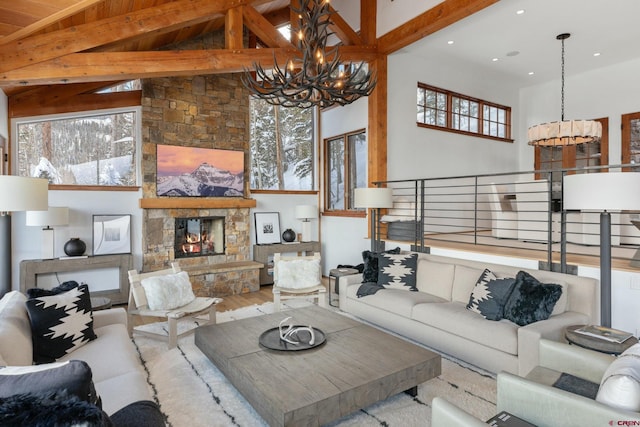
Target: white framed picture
pixel 267 227
pixel 111 234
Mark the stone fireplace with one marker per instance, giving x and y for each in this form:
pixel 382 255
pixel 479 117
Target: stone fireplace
pixel 197 111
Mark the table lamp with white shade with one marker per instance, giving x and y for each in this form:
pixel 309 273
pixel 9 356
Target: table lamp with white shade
pixel 603 192
pixel 17 193
pixel 306 213
pixel 374 198
pixel 53 216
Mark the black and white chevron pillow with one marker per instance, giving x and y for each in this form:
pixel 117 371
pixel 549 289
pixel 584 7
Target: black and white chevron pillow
pixel 60 322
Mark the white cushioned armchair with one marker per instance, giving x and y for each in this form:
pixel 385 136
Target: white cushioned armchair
pixel 534 399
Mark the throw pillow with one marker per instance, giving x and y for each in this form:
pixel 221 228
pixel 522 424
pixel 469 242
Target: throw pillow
pixel 60 323
pixel 73 376
pixel 298 273
pixel 490 295
pixel 143 413
pixel 620 385
pixel 530 300
pixel 50 408
pixel 370 271
pixel 398 271
pixel 169 291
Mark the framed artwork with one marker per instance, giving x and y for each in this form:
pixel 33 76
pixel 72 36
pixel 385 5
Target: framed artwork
pixel 111 234
pixel 267 227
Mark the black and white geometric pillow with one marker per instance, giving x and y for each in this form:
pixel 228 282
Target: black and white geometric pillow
pixel 60 323
pixel 398 271
pixel 490 295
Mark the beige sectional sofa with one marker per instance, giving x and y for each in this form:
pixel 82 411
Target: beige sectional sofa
pixel 118 375
pixel 436 315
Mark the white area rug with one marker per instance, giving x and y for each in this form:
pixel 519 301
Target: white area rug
pixel 192 392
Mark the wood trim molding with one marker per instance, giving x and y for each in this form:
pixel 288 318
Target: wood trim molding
pixel 197 203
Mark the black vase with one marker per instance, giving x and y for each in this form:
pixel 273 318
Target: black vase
pixel 74 247
pixel 289 235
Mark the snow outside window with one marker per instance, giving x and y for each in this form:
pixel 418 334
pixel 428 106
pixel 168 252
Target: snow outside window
pixel 281 147
pixel 91 149
pixel 346 161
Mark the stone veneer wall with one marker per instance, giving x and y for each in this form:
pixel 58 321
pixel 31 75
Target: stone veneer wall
pixel 200 111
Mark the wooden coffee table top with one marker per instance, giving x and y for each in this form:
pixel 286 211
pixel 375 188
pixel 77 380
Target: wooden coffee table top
pixel 357 366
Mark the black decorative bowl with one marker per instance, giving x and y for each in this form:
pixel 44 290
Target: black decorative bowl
pixel 271 340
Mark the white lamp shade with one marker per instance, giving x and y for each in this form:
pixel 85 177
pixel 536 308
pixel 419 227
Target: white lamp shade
pixel 373 197
pixel 19 193
pixel 53 216
pixel 604 191
pixel 306 212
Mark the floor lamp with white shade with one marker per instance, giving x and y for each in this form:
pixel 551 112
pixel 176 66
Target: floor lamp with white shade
pixel 603 192
pixel 17 193
pixel 373 198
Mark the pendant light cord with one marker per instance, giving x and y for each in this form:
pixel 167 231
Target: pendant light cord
pixel 562 37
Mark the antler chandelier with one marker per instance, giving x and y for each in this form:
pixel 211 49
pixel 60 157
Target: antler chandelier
pixel 314 76
pixel 564 132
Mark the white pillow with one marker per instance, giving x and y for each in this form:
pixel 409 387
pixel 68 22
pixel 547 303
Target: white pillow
pixel 298 273
pixel 620 385
pixel 169 291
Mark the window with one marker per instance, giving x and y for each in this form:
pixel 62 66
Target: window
pixel 281 147
pixel 445 110
pixel 630 139
pixel 572 156
pixel 346 169
pixel 87 149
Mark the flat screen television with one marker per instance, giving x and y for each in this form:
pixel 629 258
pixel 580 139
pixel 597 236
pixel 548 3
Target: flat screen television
pixel 199 172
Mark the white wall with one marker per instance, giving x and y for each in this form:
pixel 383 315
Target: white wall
pixel 4 115
pixel 606 92
pixel 82 206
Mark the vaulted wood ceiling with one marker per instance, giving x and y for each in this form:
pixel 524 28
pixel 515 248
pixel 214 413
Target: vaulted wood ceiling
pixel 53 50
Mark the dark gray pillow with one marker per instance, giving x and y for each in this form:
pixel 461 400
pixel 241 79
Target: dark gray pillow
pixel 143 413
pixel 398 271
pixel 489 296
pixel 73 376
pixel 370 261
pixel 531 300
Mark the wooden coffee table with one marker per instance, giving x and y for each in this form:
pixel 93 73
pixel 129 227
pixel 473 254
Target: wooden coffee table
pixel 357 366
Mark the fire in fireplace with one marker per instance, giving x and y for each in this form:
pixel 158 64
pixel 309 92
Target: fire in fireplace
pixel 202 236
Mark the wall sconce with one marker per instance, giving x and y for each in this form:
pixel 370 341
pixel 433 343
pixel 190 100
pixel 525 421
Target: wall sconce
pixel 53 216
pixel 306 213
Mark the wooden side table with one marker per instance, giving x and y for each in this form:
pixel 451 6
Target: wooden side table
pixel 597 344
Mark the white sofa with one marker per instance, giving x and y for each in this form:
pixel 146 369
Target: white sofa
pixel 437 316
pixel 118 375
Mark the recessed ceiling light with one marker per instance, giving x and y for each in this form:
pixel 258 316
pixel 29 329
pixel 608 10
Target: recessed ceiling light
pixel 450 42
pixel 495 59
pixel 513 53
pixel 596 54
pixel 520 12
pixel 531 73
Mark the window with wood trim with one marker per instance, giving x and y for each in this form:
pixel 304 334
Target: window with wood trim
pixel 346 169
pixel 95 148
pixel 445 110
pixel 574 156
pixel 630 139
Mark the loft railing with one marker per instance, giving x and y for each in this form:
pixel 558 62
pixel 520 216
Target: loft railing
pixel 503 211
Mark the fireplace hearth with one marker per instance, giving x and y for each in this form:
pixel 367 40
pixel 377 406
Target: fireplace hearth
pixel 199 236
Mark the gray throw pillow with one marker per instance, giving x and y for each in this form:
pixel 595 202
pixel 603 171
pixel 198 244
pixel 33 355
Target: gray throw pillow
pixel 398 271
pixel 490 295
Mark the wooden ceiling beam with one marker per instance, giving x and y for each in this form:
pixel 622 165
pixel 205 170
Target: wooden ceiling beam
pixel 368 16
pixel 233 30
pixel 264 29
pixel 101 66
pixel 159 19
pixel 438 17
pixel 82 102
